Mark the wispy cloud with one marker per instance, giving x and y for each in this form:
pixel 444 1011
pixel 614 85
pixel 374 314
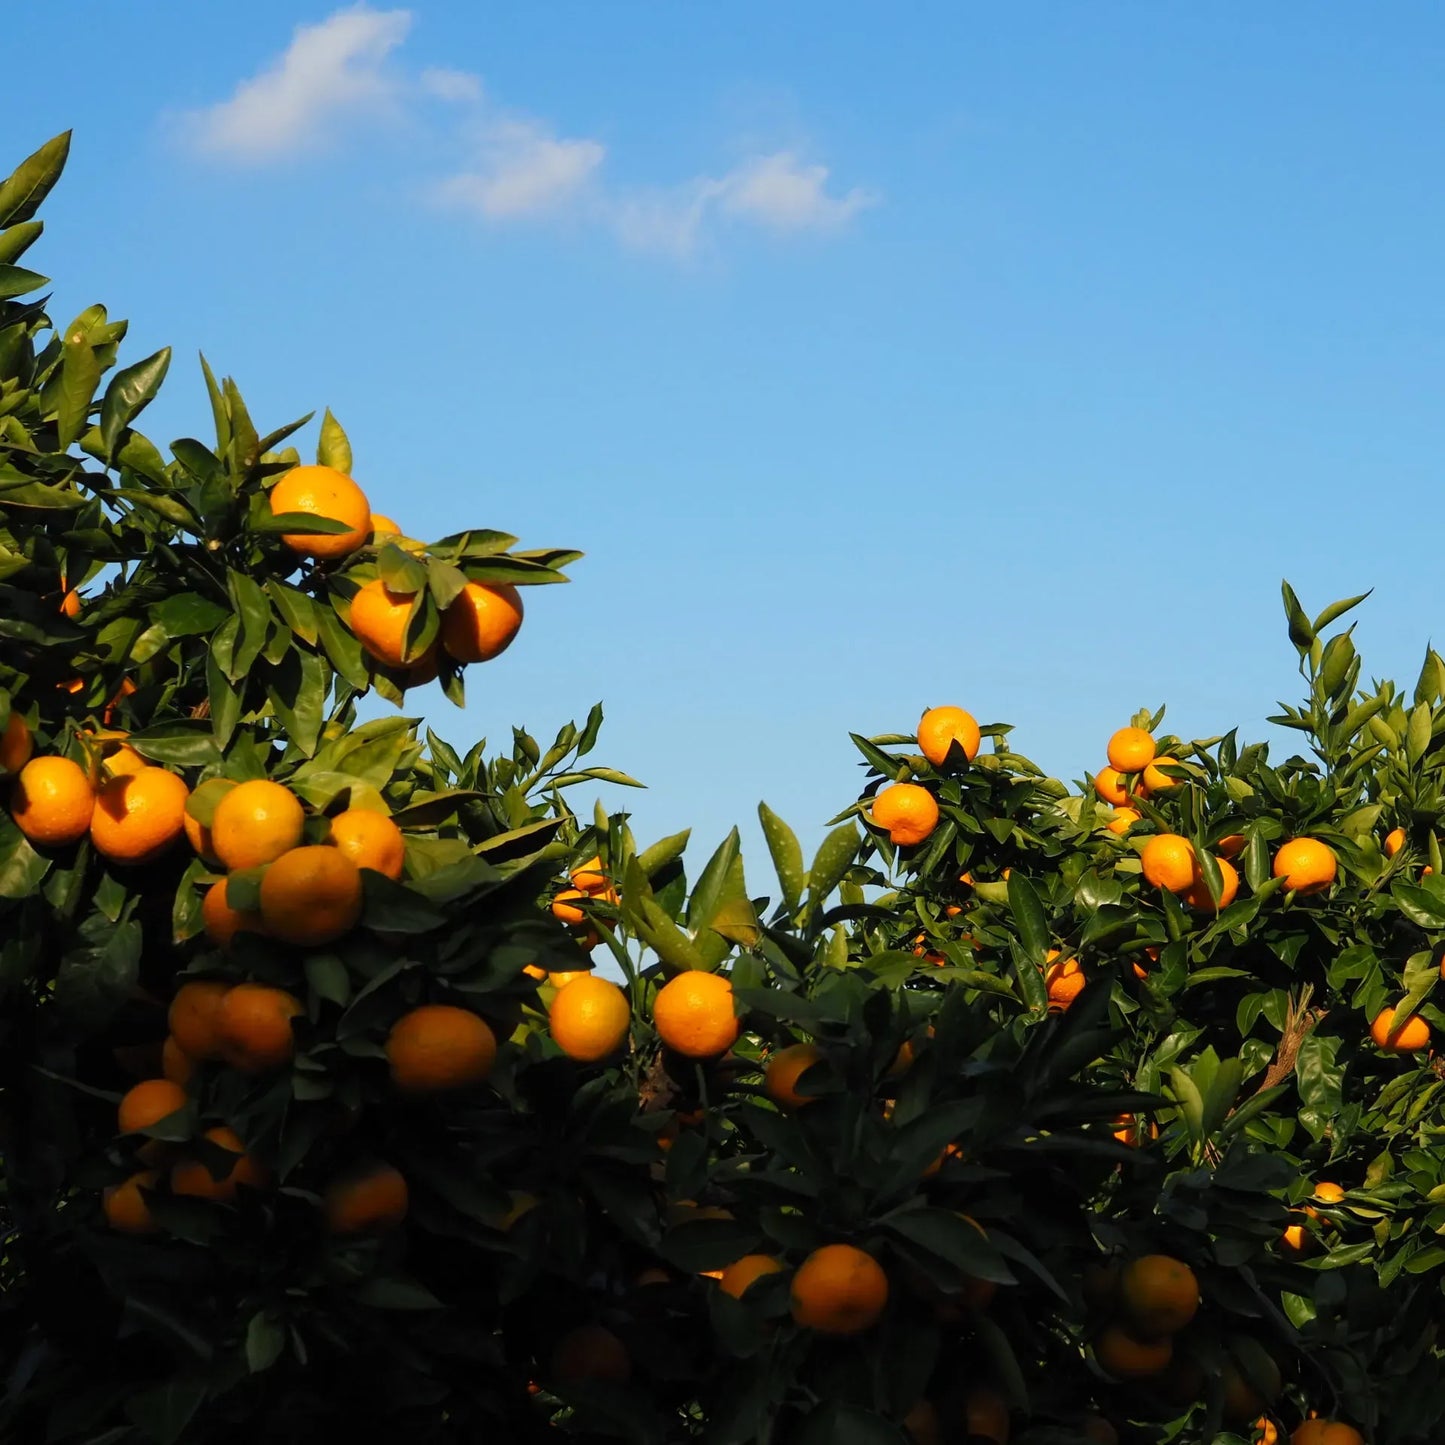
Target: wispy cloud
pixel 331 72
pixel 516 168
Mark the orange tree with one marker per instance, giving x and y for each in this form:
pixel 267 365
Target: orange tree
pixel 1007 1118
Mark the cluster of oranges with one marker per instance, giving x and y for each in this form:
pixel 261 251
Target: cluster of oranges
pixel 477 625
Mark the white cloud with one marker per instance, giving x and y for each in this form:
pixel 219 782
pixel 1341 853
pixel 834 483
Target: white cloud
pixel 522 170
pixel 780 192
pixel 516 168
pixel 331 70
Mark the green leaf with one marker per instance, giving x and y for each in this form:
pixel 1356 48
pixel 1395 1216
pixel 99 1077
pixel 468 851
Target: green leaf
pixel 27 186
pixel 787 854
pixel 332 447
pixel 129 393
pixel 400 571
pixel 1300 631
pixel 1417 734
pixel 265 1342
pixel 16 240
pixel 297 688
pixel 21 867
pixel 834 858
pixel 1028 914
pixel 651 861
pixel 1338 609
pixel 951 1238
pixel 16 281
pixel 80 372
pixel 298 523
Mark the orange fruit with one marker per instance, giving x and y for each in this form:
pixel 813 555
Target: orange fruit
pixel 1158 1294
pixel 370 840
pixel 369 1199
pixel 70 603
pixel 1109 785
pixel 1197 894
pixel 590 877
pixel 693 1014
pixel 438 1047
pixel 1231 845
pixel 1328 1193
pixel 122 760
pixel 193 1178
pixel 378 620
pixel 1131 750
pixel 1394 841
pixel 565 911
pixel 1155 781
pixel 566 976
pixel 1306 865
pixel 197 833
pixel 176 1064
pixel 255 823
pixel 125 1206
pixel 588 1354
pixel 16 745
pixel 839 1290
pixel 1098 1431
pixel 940 727
pixel 52 803
pixel 222 921
pixel 1065 981
pixel 985 1415
pixel 783 1072
pixel 1124 1357
pixel 482 621
pixel 382 526
pixel 922 1424
pixel 311 896
pixel 907 812
pixel 1412 1036
pixel 137 816
pixel 1266 1432
pixel 743 1273
pixel 1326 1432
pixel 253 1027
pixel 147 1103
pixel 323 492
pixel 589 1019
pixel 1296 1241
pixel 1121 820
pixel 192 1017
pixel 1246 1395
pixel 1168 862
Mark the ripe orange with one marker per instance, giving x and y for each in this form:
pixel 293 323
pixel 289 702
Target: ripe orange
pixel 255 823
pixel 1266 1432
pixel 438 1047
pixel 147 1103
pixel 1065 981
pixel 589 1018
pixel 1131 750
pixel 1156 781
pixel 137 816
pixel 839 1290
pixel 590 1353
pixel 382 526
pixel 1121 820
pixel 565 976
pixel 198 834
pixel 1394 841
pixel 125 1206
pixel 1098 1431
pixel 1197 894
pixel 564 910
pixel 222 921
pixel 192 1017
pixel 176 1064
pixel 481 623
pixel 1109 785
pixel 311 896
pixel 193 1178
pixel 922 1424
pixel 370 840
pixel 1326 1432
pixel 1168 862
pixel 378 619
pixel 1246 1395
pixel 1412 1036
pixel 1296 1241
pixel 744 1272
pixel 1231 845
pixel 693 1014
pixel 907 812
pixel 253 1027
pixel 985 1415
pixel 1125 1358
pixel 590 877
pixel 783 1072
pixel 16 745
pixel 369 1199
pixel 323 492
pixel 1306 865
pixel 52 803
pixel 1328 1193
pixel 1158 1294
pixel 940 727
pixel 123 759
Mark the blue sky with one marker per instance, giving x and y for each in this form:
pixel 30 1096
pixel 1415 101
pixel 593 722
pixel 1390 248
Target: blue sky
pixel 1002 356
